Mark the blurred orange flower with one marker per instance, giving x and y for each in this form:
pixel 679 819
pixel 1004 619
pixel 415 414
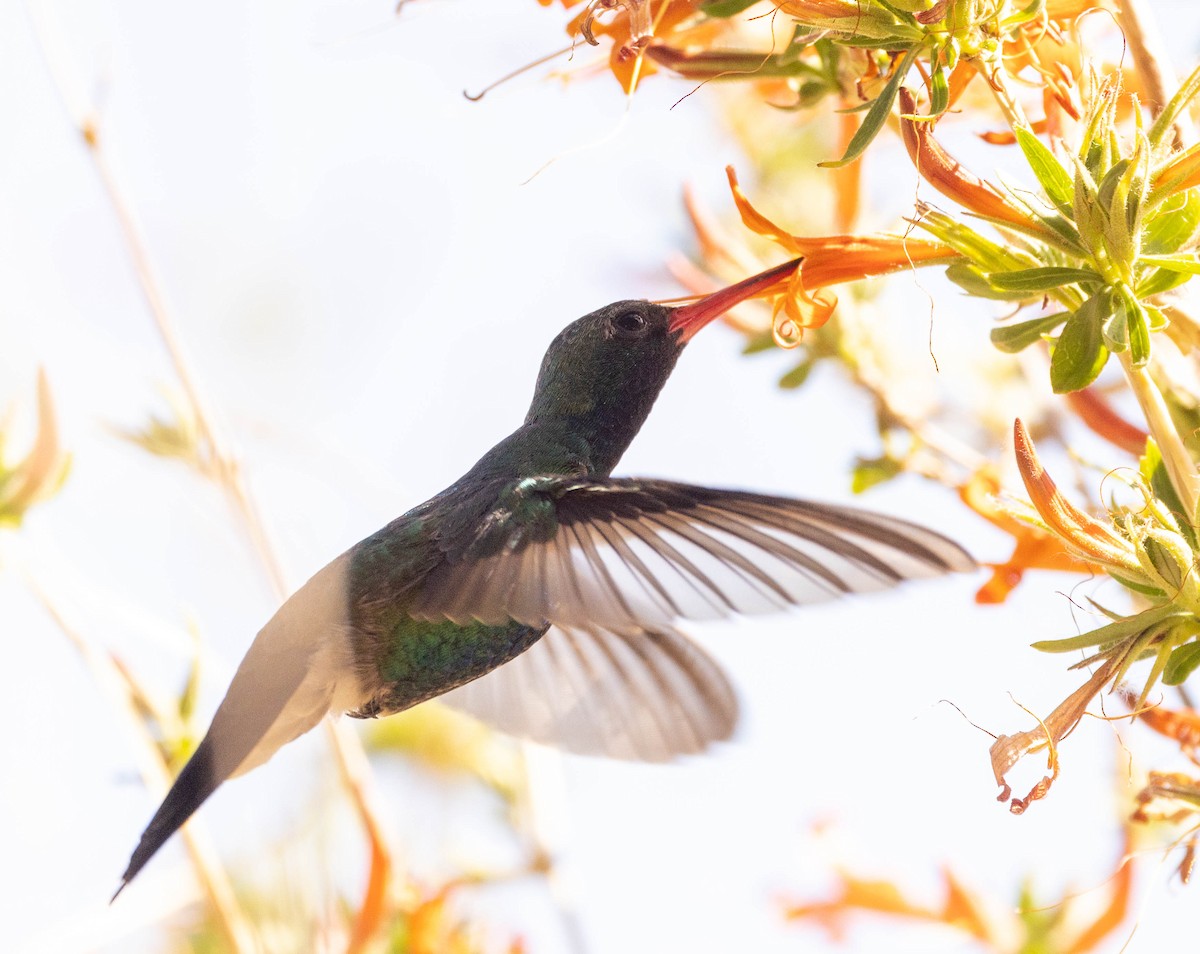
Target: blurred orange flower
pixel 1034 548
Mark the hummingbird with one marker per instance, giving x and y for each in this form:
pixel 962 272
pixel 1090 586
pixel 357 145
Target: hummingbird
pixel 544 596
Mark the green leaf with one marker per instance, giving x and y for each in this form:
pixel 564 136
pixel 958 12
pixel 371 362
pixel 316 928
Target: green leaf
pixel 971 279
pixel 939 91
pixel 1042 279
pixel 758 341
pixel 1079 354
pixel 877 115
pixel 870 472
pixel 1177 104
pixel 1051 174
pixel 1139 337
pixel 1123 628
pixel 797 376
pixel 1018 336
pixel 1182 663
pixel 1108 185
pixel 1173 224
pixel 1159 281
pixel 726 8
pixel 1089 215
pixel 1144 588
pixel 1115 329
pixel 1154 472
pixel 1128 326
pixel 1186 262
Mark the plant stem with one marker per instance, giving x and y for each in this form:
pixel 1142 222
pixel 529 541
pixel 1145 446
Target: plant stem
pixel 1176 458
pixel 121 688
pixel 224 468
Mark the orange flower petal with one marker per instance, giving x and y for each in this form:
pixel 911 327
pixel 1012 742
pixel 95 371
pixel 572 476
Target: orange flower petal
pixel 755 221
pixel 947 175
pixel 1086 535
pixel 833 259
pixel 1100 417
pixel 1034 548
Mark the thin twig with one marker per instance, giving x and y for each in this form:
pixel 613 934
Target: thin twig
pixel 223 465
pixel 353 768
pixel 122 689
pixel 1176 458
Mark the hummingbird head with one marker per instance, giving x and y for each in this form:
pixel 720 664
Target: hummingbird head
pixel 603 372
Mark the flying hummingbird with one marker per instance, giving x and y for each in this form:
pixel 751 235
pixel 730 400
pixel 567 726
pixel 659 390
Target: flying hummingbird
pixel 544 596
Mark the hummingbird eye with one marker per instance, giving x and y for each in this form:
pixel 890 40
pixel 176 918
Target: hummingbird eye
pixel 629 324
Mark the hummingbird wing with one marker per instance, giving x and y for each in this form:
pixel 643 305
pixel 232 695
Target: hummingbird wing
pixel 648 696
pixel 629 555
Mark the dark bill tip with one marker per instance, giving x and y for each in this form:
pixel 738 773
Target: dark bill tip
pixel 688 319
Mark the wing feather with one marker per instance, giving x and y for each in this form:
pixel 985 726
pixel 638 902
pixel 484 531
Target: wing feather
pixel 648 696
pixel 631 555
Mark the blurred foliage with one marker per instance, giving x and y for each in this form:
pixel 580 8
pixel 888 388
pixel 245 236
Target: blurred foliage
pixel 40 474
pixel 450 743
pixel 1030 926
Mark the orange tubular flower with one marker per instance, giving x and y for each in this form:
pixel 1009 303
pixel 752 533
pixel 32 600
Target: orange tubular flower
pixel 947 175
pixel 834 259
pixel 1034 549
pixel 959 909
pixel 1082 533
pixel 1101 418
pixel 1181 173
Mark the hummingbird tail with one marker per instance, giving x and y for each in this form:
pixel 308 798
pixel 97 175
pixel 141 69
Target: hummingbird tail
pixel 299 667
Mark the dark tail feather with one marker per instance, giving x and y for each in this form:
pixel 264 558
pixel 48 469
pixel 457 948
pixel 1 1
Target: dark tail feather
pixel 195 783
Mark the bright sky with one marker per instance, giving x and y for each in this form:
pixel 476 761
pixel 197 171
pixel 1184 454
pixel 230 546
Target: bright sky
pixel 364 277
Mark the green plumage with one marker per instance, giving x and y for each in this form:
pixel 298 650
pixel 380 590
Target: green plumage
pixel 595 388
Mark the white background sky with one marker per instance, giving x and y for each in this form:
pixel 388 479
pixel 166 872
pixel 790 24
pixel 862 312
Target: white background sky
pixel 365 288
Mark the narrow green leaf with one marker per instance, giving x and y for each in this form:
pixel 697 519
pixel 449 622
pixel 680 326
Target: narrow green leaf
pixel 1154 472
pixel 1186 262
pixel 1176 105
pixel 1087 213
pixel 1051 174
pixel 974 282
pixel 1159 281
pixel 1122 628
pixel 1139 337
pixel 1144 588
pixel 1065 229
pixel 939 90
pixel 1108 185
pixel 1079 354
pixel 876 116
pixel 1042 279
pixel 1132 316
pixel 1017 337
pixel 1182 663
